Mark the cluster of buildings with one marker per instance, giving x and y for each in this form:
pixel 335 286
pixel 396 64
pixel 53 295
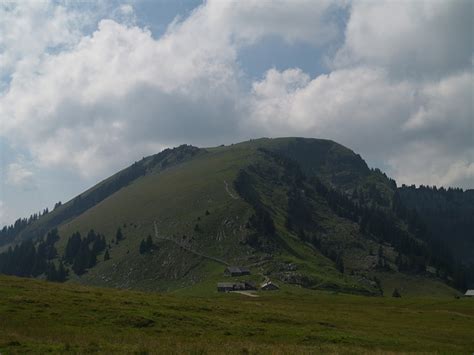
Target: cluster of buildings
pixel 235 271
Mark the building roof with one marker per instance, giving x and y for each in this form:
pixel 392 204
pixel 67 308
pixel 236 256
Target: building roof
pixel 225 284
pixel 268 284
pixel 237 269
pixel 469 293
pixel 233 269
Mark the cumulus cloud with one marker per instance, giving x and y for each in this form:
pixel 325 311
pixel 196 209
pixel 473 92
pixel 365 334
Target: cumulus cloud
pixel 294 21
pixel 410 39
pixel 118 89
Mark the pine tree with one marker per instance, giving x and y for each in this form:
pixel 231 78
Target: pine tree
pixel 99 244
pixel 81 261
pixel 91 236
pixel 72 247
pixel 106 255
pixel 51 273
pixel 118 235
pixel 143 248
pixel 62 272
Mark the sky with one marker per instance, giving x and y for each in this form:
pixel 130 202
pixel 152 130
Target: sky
pixel 87 88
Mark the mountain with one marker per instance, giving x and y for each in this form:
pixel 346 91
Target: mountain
pixel 305 212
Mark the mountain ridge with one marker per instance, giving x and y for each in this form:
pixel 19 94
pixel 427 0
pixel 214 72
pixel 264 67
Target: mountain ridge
pixel 304 210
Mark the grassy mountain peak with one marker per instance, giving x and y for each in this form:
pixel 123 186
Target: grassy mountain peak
pixel 299 211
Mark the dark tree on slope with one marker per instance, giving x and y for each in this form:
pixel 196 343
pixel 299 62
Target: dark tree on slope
pixel 106 255
pixel 72 247
pixel 81 260
pixel 119 235
pixel 146 245
pixel 82 253
pixel 99 244
pixel 143 248
pixel 8 233
pixel 62 273
pixel 51 272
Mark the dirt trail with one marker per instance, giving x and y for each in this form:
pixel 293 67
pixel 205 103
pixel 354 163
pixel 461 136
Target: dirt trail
pixel 229 192
pixel 246 293
pixel 189 249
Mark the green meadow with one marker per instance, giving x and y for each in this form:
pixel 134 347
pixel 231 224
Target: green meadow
pixel 41 317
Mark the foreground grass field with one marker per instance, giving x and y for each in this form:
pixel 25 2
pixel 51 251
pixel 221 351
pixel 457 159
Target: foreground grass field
pixel 42 317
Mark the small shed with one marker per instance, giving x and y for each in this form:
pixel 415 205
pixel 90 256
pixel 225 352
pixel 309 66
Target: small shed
pixel 239 286
pixel 235 286
pixel 236 271
pixel 269 286
pixel 225 286
pixel 469 293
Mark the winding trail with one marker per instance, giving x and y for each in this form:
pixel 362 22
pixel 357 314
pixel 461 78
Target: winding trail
pixel 220 261
pixel 246 293
pixel 229 192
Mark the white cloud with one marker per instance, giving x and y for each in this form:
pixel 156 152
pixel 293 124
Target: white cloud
pixel 426 38
pixel 31 28
pixel 121 91
pixel 341 105
pixel 18 175
pixel 293 20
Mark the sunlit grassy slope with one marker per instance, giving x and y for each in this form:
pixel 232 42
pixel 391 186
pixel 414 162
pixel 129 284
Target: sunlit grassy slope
pixel 41 317
pixel 198 192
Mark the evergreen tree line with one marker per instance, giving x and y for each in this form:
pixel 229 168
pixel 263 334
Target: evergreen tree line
pixel 377 217
pixel 81 253
pixel 445 216
pixel 8 233
pixel 260 221
pixel 325 249
pixel 85 201
pixel 29 260
pixel 384 224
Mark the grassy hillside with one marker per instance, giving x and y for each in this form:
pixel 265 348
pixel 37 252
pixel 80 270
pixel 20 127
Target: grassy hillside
pixel 41 317
pixel 192 197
